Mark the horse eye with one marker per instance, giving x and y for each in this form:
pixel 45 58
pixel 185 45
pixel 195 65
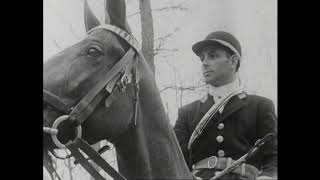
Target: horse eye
pixel 94 51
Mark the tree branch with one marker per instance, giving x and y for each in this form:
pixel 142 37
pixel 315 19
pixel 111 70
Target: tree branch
pixel 163 38
pixel 164 49
pixel 56 44
pixel 157 51
pixel 174 7
pixel 181 88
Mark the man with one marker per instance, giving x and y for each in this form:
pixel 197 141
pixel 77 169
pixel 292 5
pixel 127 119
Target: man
pixel 236 125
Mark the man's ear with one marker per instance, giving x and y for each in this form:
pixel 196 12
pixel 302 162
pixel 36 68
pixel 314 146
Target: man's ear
pixel 234 60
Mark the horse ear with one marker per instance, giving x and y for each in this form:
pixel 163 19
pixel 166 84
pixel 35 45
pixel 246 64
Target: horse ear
pixel 127 26
pixel 90 19
pixel 117 13
pixel 106 14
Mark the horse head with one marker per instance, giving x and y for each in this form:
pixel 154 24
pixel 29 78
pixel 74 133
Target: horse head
pixel 104 85
pixel 72 73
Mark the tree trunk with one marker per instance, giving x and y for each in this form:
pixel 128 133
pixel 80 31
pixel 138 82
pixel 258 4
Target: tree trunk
pixel 147 32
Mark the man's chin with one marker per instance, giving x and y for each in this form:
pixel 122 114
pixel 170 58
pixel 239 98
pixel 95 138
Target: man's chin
pixel 210 81
pixel 214 83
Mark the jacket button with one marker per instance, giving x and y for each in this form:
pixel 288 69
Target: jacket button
pixel 221 126
pixel 219 139
pixel 221 153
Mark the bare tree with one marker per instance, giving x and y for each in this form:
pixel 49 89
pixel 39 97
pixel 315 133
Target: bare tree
pixel 147 32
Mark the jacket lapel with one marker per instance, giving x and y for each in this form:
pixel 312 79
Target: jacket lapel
pixel 203 109
pixel 234 104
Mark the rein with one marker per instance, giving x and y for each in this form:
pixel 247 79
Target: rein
pixel 113 83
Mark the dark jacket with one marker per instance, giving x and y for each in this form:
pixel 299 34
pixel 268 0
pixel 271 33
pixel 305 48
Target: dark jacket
pixel 245 120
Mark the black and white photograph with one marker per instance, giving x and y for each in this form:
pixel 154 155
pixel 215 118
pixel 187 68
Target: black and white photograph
pixel 160 89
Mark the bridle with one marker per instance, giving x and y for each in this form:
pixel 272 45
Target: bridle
pixel 109 87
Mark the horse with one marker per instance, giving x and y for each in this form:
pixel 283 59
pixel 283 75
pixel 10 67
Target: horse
pixel 137 126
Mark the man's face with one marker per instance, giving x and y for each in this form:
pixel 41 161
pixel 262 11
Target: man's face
pixel 217 68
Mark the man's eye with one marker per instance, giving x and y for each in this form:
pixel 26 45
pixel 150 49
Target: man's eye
pixel 213 55
pixel 94 51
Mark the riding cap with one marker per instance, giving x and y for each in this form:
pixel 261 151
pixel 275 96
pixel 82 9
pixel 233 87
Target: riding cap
pixel 221 38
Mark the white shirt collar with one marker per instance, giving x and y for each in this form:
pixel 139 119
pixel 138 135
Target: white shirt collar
pixel 218 93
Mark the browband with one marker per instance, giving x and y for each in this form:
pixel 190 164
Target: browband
pixel 121 33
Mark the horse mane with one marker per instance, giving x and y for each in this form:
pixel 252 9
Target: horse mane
pixel 150 150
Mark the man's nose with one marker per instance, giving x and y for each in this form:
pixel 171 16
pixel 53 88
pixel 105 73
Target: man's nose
pixel 205 62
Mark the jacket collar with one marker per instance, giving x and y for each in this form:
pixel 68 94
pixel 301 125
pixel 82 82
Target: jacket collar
pixel 235 103
pixel 206 103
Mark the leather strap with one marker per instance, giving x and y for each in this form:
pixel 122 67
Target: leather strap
pixel 208 116
pixel 87 104
pixel 119 32
pixel 220 163
pixel 55 102
pixel 84 163
pixel 82 110
pixel 94 156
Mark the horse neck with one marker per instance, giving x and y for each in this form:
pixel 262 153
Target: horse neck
pixel 151 150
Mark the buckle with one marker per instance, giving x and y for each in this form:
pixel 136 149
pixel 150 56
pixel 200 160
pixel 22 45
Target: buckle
pixel 214 160
pixel 124 81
